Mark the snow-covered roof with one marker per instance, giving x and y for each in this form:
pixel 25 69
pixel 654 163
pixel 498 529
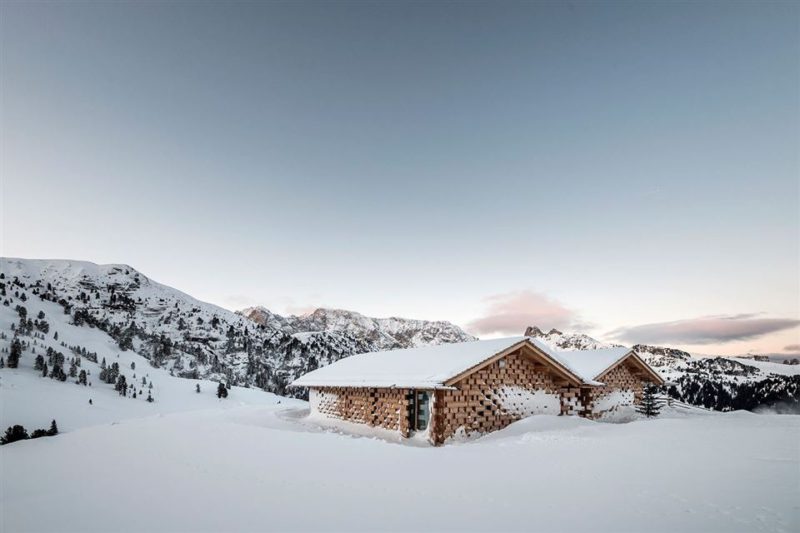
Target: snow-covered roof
pixel 589 364
pixel 432 366
pixel 418 368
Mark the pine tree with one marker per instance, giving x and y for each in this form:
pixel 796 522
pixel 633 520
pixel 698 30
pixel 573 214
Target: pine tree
pixel 197 388
pixel 149 397
pixel 14 434
pixel 39 433
pixel 222 392
pixel 122 386
pixel 126 339
pixel 44 370
pixel 651 405
pixel 53 429
pixel 82 378
pixel 2 363
pixel 39 363
pixel 13 356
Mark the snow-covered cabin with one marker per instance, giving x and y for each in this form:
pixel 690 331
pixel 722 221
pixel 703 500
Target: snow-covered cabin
pixel 474 387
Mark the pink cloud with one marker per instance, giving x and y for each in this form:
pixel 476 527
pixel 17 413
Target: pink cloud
pixel 511 313
pixel 704 330
pixel 792 348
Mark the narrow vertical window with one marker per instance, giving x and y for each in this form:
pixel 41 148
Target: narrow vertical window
pixel 423 410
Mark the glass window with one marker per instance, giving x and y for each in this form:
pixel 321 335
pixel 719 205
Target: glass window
pixel 422 410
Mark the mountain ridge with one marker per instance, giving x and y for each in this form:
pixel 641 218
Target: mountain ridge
pixel 197 339
pixel 257 348
pixel 721 383
pixel 386 333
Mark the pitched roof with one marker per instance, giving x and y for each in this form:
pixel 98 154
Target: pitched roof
pixel 589 364
pixel 419 368
pixel 432 366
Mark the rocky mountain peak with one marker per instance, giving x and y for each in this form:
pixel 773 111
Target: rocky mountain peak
pixel 381 333
pixel 566 341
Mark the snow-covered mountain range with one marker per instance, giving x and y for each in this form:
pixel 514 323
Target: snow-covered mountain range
pixel 721 383
pixel 567 341
pixel 381 333
pixel 195 339
pixel 254 347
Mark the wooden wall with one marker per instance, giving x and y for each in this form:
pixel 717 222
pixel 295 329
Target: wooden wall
pixel 574 400
pixel 623 386
pixel 485 401
pixel 386 408
pixel 493 397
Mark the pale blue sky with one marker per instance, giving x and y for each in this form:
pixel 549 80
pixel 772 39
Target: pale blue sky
pixel 625 164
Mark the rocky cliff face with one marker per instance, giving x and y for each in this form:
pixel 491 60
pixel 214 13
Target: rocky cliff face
pixel 381 333
pixel 567 341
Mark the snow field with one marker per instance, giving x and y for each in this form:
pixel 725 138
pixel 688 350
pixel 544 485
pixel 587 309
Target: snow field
pixel 257 468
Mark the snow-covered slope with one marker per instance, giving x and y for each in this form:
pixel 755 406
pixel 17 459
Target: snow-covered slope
pixel 32 400
pixel 770 367
pixel 194 339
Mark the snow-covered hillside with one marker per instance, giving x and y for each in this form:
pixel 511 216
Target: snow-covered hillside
pixel 32 400
pixel 197 340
